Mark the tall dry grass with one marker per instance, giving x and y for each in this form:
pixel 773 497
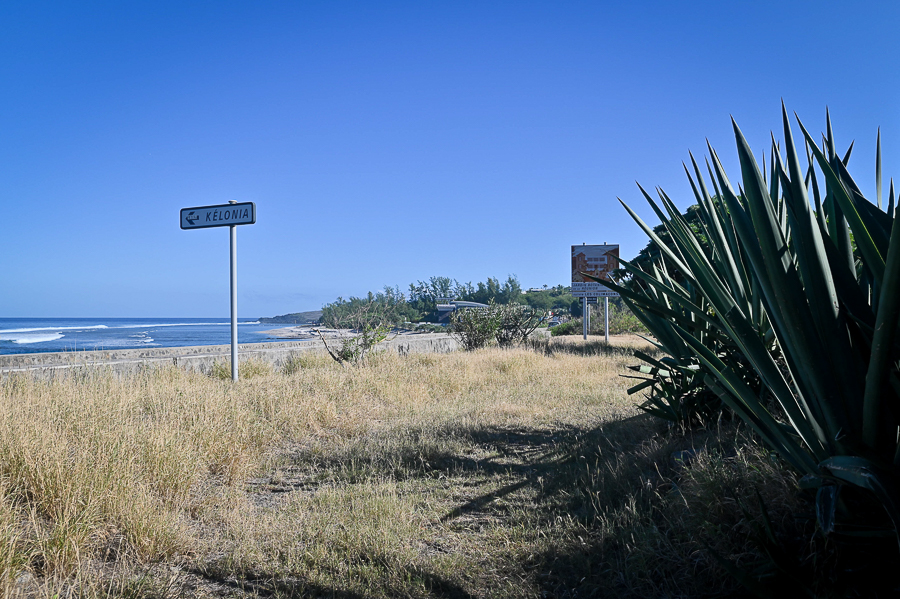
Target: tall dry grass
pixel 395 477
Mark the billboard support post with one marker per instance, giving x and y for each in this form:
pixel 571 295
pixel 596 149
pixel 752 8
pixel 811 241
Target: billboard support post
pixel 606 316
pixel 585 317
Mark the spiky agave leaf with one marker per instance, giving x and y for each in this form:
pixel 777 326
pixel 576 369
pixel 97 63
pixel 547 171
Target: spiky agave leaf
pixel 778 285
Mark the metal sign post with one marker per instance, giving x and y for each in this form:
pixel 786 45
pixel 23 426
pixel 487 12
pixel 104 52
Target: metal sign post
pixel 606 315
pixel 586 317
pixel 234 338
pixel 228 215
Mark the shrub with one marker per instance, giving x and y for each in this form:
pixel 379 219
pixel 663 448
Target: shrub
pixel 678 395
pixel 474 327
pixel 570 327
pixel 623 321
pixel 354 349
pixel 515 323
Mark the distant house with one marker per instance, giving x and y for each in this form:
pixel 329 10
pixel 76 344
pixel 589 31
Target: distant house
pixel 445 310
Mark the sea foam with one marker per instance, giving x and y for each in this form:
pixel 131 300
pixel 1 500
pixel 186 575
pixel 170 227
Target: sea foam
pixel 32 338
pixel 176 324
pixel 96 326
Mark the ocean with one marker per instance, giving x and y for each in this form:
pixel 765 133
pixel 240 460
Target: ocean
pixel 33 335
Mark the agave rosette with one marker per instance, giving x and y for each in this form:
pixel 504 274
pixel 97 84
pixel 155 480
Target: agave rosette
pixel 782 292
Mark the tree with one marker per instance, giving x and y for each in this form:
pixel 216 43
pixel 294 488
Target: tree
pixel 393 307
pixel 540 300
pixel 557 299
pixel 575 308
pixel 387 308
pixel 510 292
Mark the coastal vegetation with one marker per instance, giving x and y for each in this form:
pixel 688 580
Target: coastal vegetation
pixel 523 472
pixel 392 306
pixel 507 324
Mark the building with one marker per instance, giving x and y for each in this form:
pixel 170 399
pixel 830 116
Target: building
pixel 445 310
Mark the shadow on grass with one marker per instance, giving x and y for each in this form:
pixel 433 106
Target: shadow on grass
pixel 255 585
pixel 590 476
pixel 562 467
pixel 542 473
pixel 596 476
pixel 579 473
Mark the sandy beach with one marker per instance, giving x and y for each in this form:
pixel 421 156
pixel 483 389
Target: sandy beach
pixel 306 332
pixel 312 332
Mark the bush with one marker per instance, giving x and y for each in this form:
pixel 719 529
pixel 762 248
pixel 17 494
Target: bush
pixel 514 323
pixel 355 349
pixel 566 328
pixel 622 320
pixel 474 327
pixel 678 395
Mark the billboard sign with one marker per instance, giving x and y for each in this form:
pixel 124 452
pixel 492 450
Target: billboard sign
pixel 598 260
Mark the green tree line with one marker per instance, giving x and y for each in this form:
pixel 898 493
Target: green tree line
pixel 391 306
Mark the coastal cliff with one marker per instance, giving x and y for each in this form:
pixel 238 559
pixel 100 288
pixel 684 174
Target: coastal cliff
pixel 311 317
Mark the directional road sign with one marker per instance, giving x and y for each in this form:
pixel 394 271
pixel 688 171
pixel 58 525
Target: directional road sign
pixel 223 215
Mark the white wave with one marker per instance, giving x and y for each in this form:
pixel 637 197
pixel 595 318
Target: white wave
pixel 147 340
pixel 96 326
pixel 177 324
pixel 33 338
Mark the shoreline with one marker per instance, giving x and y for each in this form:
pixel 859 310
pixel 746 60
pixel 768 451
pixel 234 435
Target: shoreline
pixel 202 357
pixel 311 331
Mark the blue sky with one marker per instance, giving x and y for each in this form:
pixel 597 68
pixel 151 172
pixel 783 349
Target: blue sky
pixel 387 142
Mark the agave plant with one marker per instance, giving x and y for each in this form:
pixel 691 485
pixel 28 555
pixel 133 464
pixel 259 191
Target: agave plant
pixel 787 301
pixel 677 393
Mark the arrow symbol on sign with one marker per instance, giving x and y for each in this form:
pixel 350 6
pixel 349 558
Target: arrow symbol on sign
pixel 191 217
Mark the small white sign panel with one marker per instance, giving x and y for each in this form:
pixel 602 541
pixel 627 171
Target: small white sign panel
pixel 223 215
pixel 603 292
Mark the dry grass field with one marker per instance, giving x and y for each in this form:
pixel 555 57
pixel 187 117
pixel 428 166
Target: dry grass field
pixel 497 473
